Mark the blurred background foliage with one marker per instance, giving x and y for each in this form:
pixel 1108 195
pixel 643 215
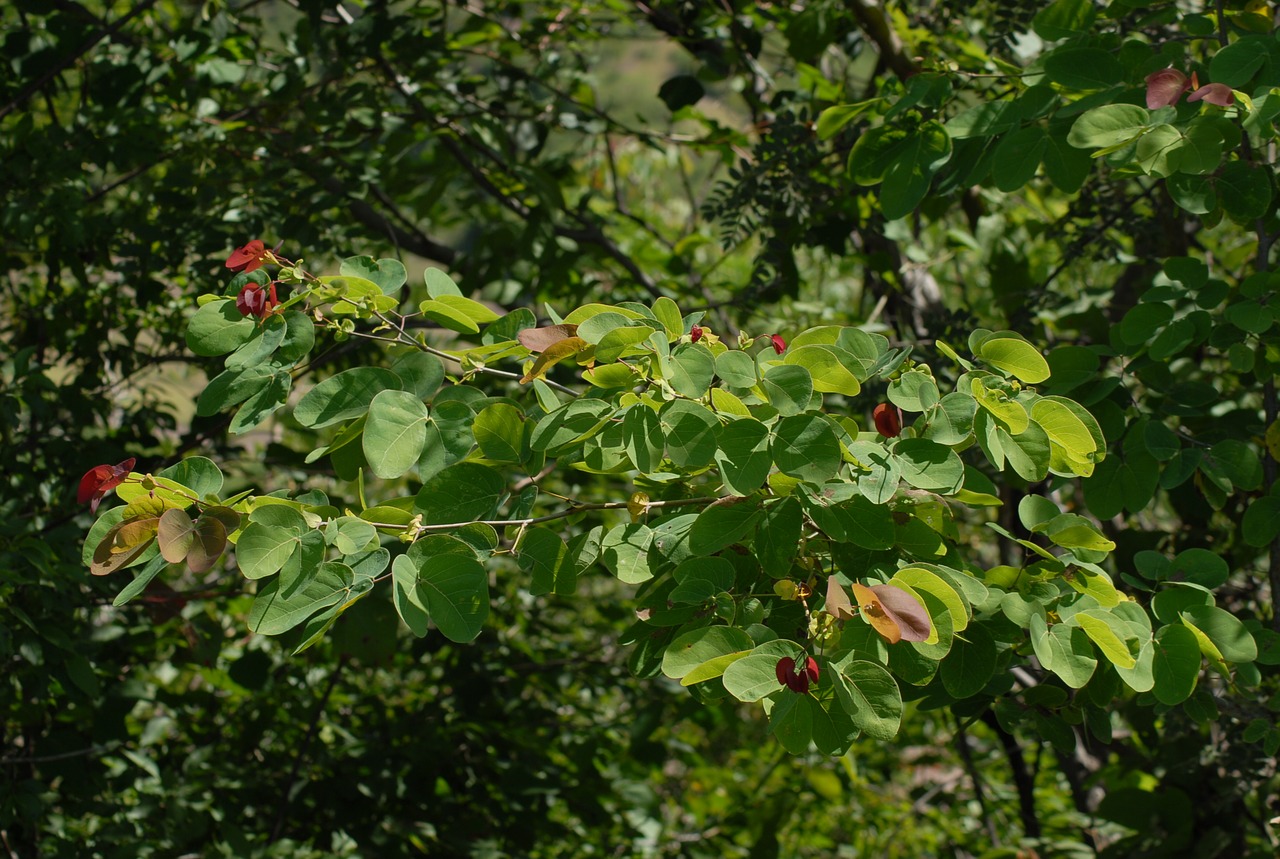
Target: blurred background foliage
pixel 542 152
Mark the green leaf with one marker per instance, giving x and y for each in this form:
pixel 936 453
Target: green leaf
pixel 1083 68
pixel 1069 652
pixel 1064 19
pixel 343 396
pixel 1236 64
pixel 970 664
pixel 699 646
pixel 500 433
pixel 1108 633
pixel 232 387
pixel 909 175
pixel 692 369
pixel 736 368
pixel 1108 126
pixel 755 676
pixel 722 524
pixel 791 721
pixel 263 402
pixel 262 549
pixel 929 466
pixel 272 613
pixel 457 313
pixel 1014 356
pixel 828 367
pixel 394 433
pixel 1261 523
pixel 1122 484
pixel 743 455
pixel 805 446
pixel 439 284
pixel 625 552
pixel 690 430
pixel 463 492
pixel 1075 439
pixel 1225 630
pixel 1245 191
pixel 788 388
pixel 420 373
pixel 870 696
pixel 455 589
pixel 1175 664
pixel 388 274
pixel 217 328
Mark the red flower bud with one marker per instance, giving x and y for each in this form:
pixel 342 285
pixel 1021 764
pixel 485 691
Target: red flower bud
pixel 888 420
pixel 695 333
pixel 779 345
pixel 797 681
pixel 250 257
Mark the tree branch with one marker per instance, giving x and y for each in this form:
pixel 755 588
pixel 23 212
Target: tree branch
pixel 27 91
pixel 1022 779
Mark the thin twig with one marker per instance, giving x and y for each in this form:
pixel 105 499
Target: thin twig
pixel 286 798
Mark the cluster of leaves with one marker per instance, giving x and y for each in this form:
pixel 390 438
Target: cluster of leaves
pixel 762 441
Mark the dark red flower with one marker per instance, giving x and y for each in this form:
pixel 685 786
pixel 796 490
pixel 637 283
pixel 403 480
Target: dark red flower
pixel 797 681
pixel 253 300
pixel 888 420
pixel 779 345
pixel 250 257
pixel 100 480
pixel 695 333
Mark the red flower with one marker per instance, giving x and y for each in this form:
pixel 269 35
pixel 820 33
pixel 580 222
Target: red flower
pixel 100 480
pixel 253 300
pixel 779 345
pixel 250 257
pixel 695 333
pixel 797 681
pixel 888 420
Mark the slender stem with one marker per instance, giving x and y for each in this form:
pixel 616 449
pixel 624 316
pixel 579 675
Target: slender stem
pixel 550 517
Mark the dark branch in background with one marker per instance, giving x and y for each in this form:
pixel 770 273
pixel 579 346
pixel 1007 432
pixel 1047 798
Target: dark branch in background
pixel 409 237
pixel 34 86
pixel 1022 779
pixel 871 20
pixel 979 793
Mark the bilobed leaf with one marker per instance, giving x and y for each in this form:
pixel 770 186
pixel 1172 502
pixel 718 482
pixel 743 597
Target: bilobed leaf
pixel 455 589
pixel 837 603
pixel 625 552
pixel 545 556
pixel 791 721
pixel 642 438
pixel 1228 634
pixel 870 696
pixel 690 430
pixel 263 402
pixel 394 433
pixel 892 612
pixel 175 534
pixel 263 549
pixel 722 524
pixel 388 274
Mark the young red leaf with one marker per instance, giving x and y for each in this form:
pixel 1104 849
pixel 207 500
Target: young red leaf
pixel 779 345
pixel 1165 87
pixel 888 420
pixel 1219 94
pixel 541 339
pixel 100 480
pixel 250 257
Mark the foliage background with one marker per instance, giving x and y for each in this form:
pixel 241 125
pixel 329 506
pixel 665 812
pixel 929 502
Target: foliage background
pixel 542 152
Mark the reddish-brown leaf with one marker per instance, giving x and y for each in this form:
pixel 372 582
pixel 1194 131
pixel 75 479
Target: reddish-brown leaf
pixel 541 339
pixel 838 604
pixel 250 257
